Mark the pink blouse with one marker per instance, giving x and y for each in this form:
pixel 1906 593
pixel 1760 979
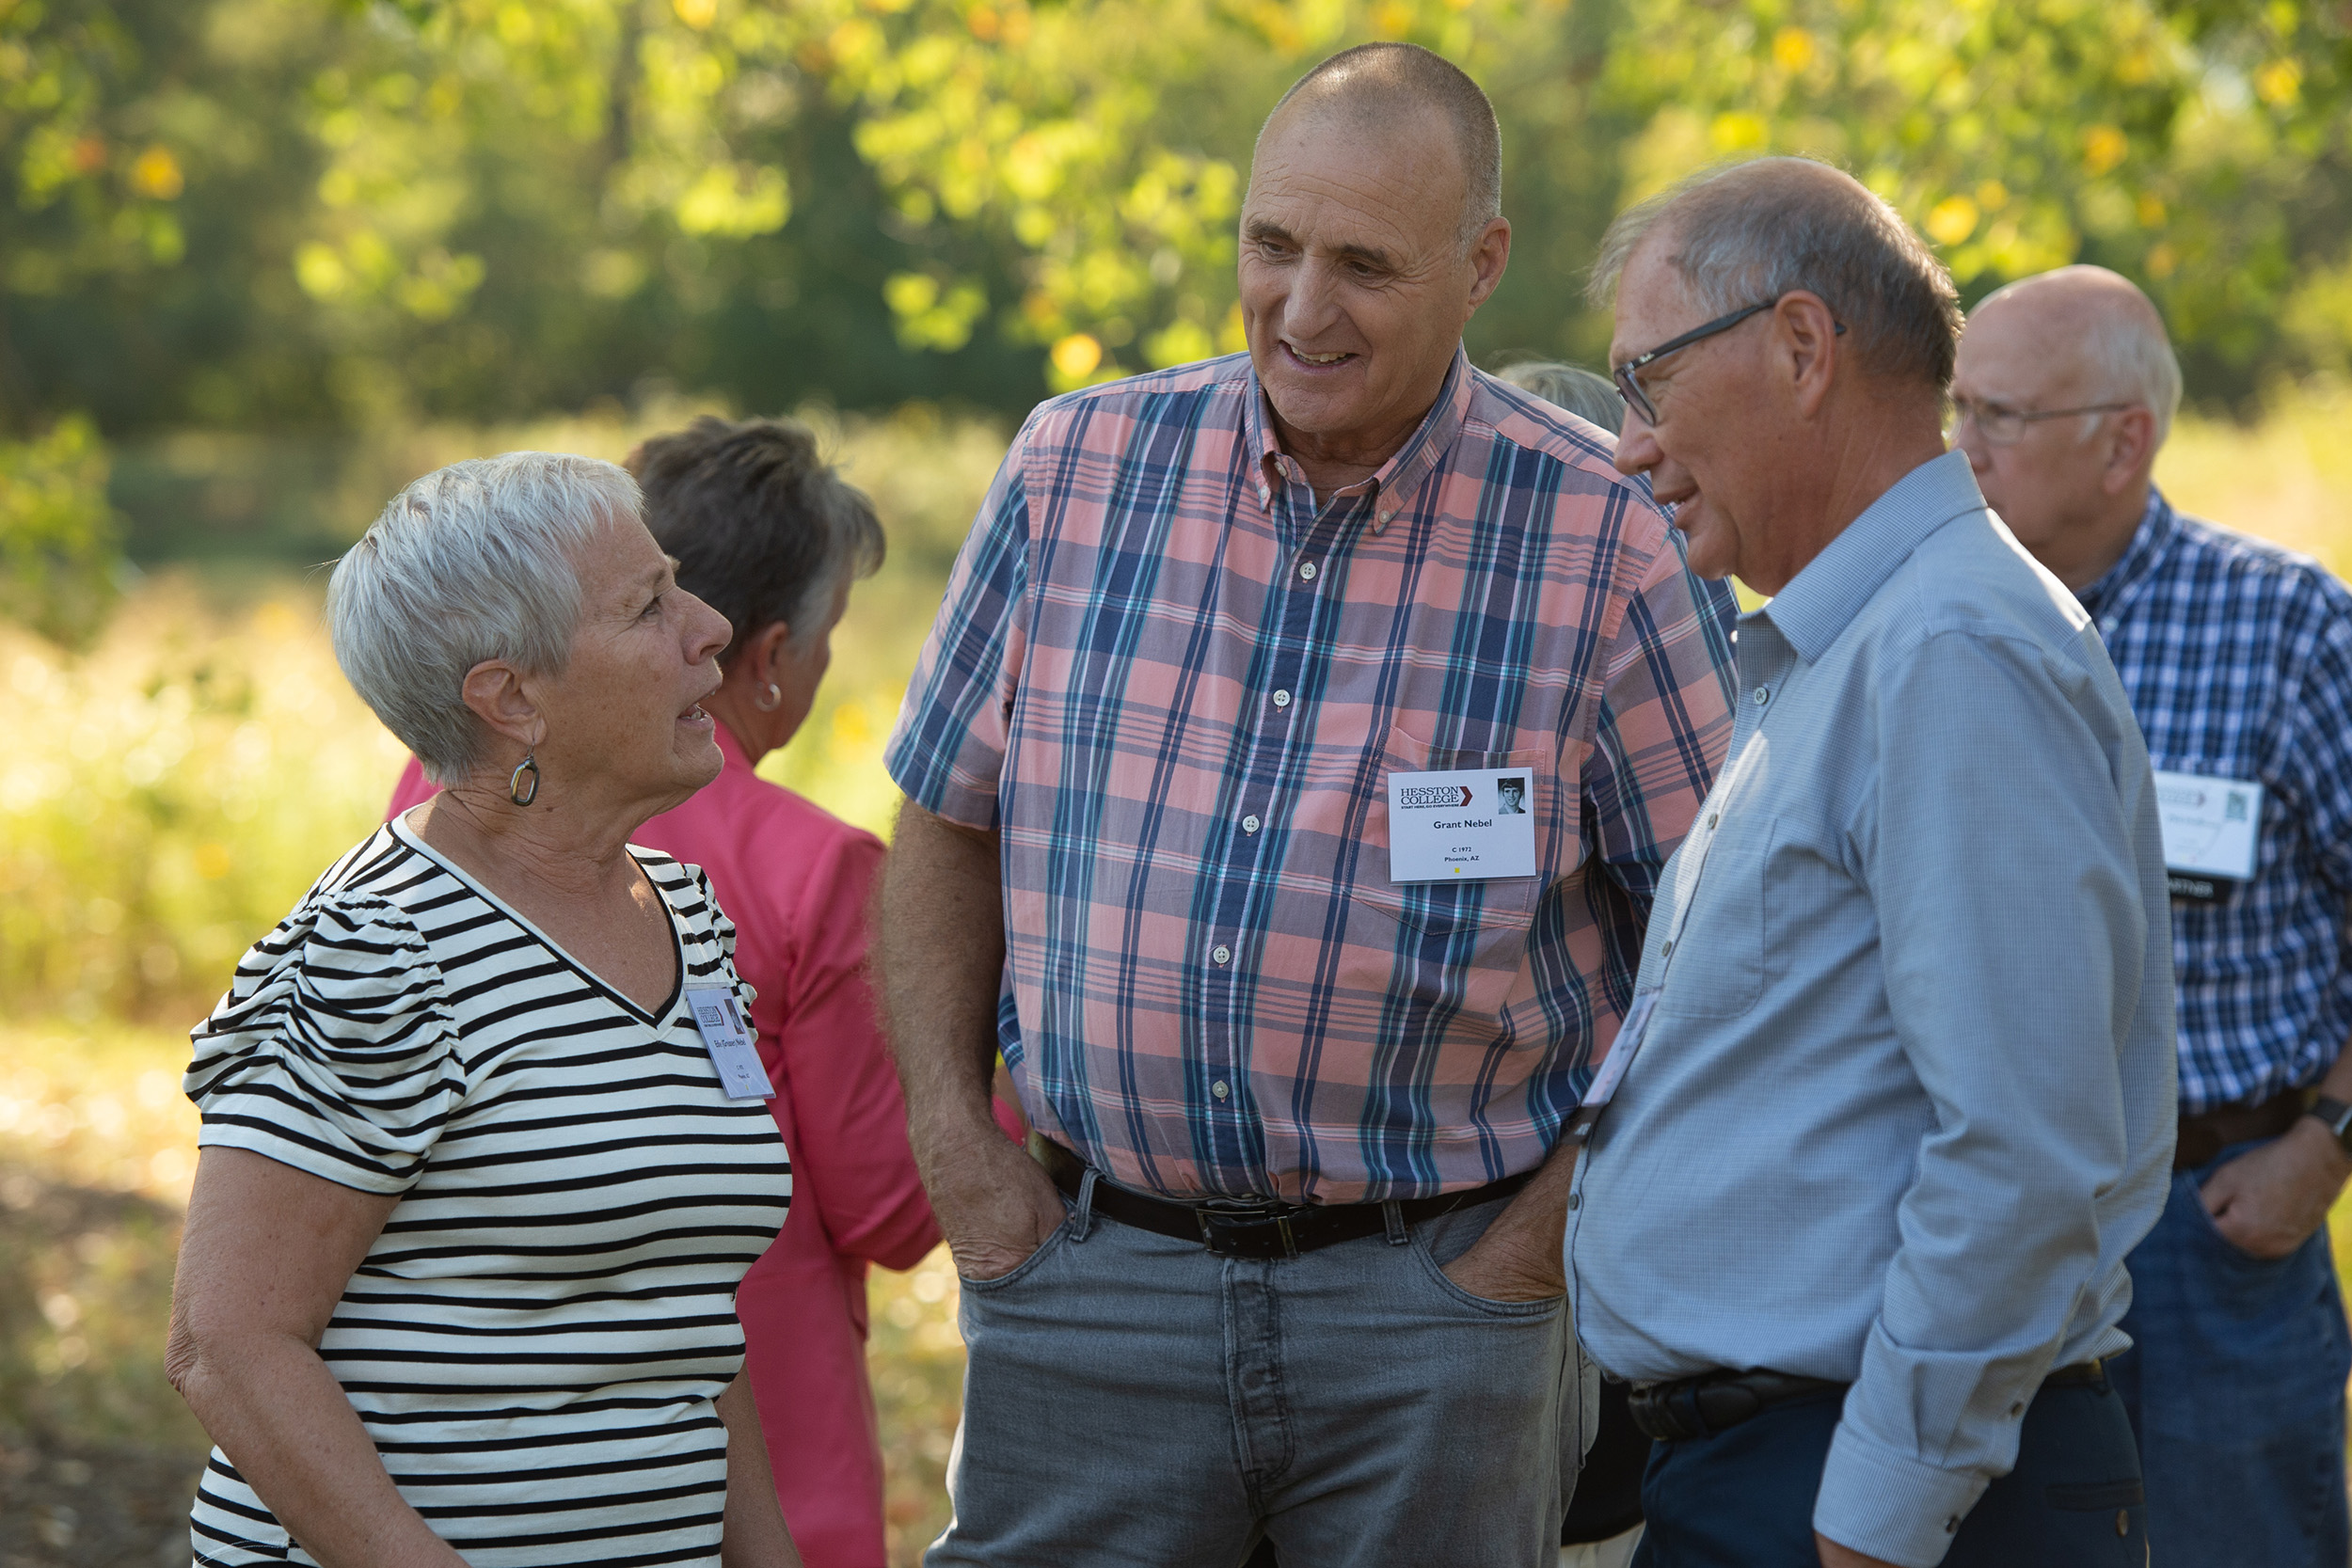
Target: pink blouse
pixel 795 879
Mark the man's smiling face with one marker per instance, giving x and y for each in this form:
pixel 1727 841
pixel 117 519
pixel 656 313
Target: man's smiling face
pixel 1355 282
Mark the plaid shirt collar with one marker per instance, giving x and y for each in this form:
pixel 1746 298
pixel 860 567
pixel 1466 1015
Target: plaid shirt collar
pixel 2120 583
pixel 1400 478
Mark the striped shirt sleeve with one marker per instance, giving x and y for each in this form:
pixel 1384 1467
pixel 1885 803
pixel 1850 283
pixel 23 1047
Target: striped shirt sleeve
pixel 334 1051
pixel 949 752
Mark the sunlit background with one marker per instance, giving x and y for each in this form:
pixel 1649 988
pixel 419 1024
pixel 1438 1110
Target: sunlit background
pixel 264 261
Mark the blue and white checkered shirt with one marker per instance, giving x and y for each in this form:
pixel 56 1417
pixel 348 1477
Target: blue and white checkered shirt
pixel 2237 655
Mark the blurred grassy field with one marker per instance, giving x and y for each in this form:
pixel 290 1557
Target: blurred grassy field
pixel 166 796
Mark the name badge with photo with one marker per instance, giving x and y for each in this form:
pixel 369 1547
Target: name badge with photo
pixel 2211 827
pixel 727 1036
pixel 1466 825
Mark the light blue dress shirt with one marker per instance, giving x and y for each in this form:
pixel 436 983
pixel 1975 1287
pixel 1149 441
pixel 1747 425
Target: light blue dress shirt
pixel 1906 1099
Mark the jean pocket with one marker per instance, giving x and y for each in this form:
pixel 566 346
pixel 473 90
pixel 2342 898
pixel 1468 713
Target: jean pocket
pixel 2096 1495
pixel 1534 1311
pixel 1028 1265
pixel 2237 1256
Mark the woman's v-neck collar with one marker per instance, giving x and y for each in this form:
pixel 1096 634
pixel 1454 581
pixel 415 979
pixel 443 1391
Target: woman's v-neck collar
pixel 658 1019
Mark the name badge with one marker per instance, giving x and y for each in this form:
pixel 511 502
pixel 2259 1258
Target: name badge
pixel 727 1036
pixel 2210 830
pixel 1604 1087
pixel 1469 825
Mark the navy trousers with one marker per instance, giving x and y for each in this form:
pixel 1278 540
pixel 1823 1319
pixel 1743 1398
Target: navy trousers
pixel 1744 1499
pixel 2234 1383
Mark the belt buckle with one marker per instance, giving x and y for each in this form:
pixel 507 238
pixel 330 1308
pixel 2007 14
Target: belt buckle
pixel 1223 1220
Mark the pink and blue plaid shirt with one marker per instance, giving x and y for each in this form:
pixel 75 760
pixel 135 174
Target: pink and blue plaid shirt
pixel 1177 686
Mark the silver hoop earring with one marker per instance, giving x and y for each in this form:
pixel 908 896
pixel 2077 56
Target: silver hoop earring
pixel 521 790
pixel 770 699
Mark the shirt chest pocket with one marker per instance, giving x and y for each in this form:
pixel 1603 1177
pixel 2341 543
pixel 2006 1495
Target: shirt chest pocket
pixel 1486 910
pixel 1715 968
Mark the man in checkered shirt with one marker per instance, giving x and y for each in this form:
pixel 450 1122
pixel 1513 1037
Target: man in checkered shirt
pixel 1287 1266
pixel 2239 658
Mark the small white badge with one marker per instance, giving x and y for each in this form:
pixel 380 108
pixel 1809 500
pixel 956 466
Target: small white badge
pixel 727 1036
pixel 1469 825
pixel 2210 825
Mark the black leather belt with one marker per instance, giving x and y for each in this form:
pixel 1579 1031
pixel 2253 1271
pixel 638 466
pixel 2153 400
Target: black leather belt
pixel 1715 1402
pixel 1252 1227
pixel 2205 1135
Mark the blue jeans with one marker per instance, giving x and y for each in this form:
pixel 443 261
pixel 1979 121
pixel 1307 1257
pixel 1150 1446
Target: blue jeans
pixel 2236 1387
pixel 1131 1398
pixel 1744 1499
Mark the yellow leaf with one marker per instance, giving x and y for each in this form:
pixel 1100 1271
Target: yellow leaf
pixel 2104 147
pixel 1076 356
pixel 155 172
pixel 2279 82
pixel 697 14
pixel 1792 49
pixel 1952 220
pixel 321 271
pixel 910 293
pixel 1738 131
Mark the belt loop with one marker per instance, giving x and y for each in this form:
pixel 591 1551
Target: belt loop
pixel 1085 1226
pixel 1393 1214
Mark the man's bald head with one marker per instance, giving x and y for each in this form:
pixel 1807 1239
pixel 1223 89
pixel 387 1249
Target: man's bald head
pixel 2101 322
pixel 1762 230
pixel 1379 87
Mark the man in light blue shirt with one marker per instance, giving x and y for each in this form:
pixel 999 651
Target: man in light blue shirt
pixel 1894 1094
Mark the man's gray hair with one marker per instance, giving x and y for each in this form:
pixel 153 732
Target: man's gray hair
pixel 478 561
pixel 1757 231
pixel 2128 356
pixel 1374 83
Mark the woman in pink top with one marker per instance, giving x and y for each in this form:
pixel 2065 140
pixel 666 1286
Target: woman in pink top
pixel 769 535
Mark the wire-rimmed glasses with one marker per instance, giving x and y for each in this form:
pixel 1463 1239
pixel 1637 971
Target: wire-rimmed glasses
pixel 2004 426
pixel 1628 376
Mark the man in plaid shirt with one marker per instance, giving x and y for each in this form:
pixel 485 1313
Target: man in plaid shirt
pixel 1203 761
pixel 2238 660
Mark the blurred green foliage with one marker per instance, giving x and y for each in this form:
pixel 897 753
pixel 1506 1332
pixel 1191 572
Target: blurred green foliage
pixel 58 532
pixel 267 213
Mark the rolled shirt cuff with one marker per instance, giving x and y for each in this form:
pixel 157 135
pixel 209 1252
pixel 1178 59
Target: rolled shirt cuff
pixel 1891 1506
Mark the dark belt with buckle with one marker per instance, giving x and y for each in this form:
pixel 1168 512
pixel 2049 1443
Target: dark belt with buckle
pixel 1716 1401
pixel 1254 1227
pixel 2207 1133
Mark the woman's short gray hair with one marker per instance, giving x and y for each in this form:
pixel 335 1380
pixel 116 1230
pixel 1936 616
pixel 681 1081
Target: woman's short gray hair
pixel 1589 395
pixel 474 561
pixel 1757 231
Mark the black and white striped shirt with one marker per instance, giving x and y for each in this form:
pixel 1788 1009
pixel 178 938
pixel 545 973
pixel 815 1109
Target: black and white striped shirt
pixel 534 1341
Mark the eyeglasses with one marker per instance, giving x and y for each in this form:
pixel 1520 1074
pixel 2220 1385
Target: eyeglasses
pixel 1628 376
pixel 2003 426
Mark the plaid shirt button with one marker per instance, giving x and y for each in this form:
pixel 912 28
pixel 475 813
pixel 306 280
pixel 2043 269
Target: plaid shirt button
pixel 1097 687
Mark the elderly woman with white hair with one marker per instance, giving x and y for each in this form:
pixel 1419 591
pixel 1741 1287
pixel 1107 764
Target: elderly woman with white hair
pixel 485 1151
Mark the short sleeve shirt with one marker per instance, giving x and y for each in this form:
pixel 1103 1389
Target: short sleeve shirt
pixel 535 1339
pixel 1177 685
